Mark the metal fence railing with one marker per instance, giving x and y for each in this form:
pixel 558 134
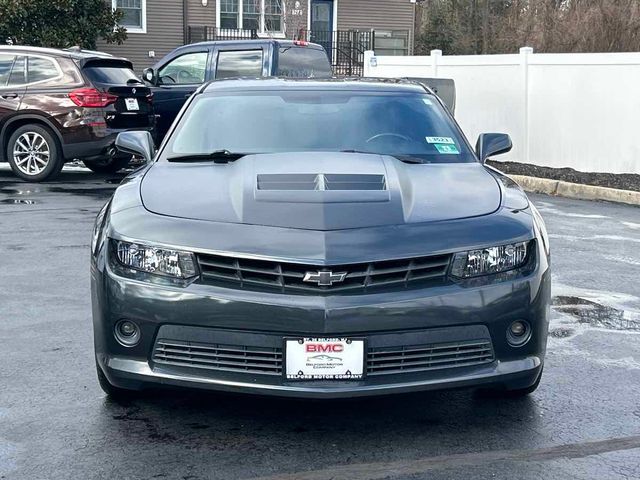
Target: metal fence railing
pixel 201 33
pixel 345 48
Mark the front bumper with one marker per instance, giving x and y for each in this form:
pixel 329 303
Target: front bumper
pixel 130 373
pixel 202 314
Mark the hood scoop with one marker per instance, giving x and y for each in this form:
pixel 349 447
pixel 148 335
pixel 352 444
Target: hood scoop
pixel 321 182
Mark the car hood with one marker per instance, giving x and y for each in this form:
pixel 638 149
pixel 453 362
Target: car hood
pixel 320 191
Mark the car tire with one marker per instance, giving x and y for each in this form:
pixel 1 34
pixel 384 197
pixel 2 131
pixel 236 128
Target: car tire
pixel 108 165
pixel 116 393
pixel 34 153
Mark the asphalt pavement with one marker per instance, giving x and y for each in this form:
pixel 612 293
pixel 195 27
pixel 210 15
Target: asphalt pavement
pixel 55 422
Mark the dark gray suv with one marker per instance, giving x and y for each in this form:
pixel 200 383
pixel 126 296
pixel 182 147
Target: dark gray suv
pixel 319 239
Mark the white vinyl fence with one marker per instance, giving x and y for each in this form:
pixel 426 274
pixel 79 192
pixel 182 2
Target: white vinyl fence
pixel 561 110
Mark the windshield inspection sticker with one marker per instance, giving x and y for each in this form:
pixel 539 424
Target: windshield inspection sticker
pixel 447 140
pixel 447 149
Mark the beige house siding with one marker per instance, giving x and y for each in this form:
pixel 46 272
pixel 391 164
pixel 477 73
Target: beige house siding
pixel 377 15
pixel 166 23
pixel 164 33
pixel 198 15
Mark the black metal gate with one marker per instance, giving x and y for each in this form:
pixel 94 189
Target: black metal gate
pixel 345 48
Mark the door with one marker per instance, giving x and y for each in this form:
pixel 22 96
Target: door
pixel 322 24
pixel 177 80
pixel 12 86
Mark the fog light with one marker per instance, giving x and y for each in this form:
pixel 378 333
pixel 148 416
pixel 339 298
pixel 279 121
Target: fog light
pixel 127 333
pixel 518 333
pixel 518 328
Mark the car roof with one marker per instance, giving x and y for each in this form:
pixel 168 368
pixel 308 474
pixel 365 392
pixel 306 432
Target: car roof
pixel 258 41
pixel 347 83
pixel 75 53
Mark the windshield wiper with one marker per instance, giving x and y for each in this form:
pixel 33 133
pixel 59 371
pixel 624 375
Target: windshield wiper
pixel 410 159
pixel 217 156
pixel 402 158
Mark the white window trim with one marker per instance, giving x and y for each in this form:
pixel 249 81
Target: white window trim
pixel 114 5
pixel 261 32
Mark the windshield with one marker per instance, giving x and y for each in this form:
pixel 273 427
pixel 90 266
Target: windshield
pixel 400 124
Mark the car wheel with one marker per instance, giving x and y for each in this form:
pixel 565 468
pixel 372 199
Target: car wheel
pixel 108 165
pixel 112 391
pixel 34 153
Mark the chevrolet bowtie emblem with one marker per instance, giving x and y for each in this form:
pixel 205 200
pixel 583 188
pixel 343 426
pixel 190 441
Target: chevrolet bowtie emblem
pixel 324 278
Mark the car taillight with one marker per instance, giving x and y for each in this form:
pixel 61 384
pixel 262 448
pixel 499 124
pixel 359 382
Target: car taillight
pixel 91 98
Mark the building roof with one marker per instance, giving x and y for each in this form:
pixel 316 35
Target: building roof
pixel 257 41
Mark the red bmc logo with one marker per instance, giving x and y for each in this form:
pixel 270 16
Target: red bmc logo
pixel 324 347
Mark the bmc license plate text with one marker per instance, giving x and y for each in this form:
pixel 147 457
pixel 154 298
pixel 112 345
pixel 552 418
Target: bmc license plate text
pixel 324 359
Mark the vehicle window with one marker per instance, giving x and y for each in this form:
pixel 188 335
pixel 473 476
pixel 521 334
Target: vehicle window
pixel 186 69
pixel 40 69
pixel 239 63
pixel 112 75
pixel 18 72
pixel 386 123
pixel 303 62
pixel 6 61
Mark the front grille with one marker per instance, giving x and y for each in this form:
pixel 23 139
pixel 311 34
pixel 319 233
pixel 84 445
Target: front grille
pixel 231 358
pixel 420 358
pixel 268 360
pixel 246 273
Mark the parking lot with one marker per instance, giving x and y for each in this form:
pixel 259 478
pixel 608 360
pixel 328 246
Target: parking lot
pixel 55 422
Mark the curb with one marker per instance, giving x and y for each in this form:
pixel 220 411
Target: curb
pixel 576 190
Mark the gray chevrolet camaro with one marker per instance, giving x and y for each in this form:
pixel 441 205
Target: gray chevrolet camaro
pixel 313 238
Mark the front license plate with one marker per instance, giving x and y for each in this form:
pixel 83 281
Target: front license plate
pixel 132 103
pixel 324 358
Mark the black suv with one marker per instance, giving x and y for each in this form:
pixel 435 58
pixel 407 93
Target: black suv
pixel 176 76
pixel 59 105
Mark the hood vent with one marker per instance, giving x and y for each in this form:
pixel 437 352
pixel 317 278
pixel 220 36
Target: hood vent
pixel 321 182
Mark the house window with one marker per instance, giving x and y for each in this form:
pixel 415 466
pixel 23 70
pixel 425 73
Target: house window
pixel 394 42
pixel 273 15
pixel 251 14
pixel 134 13
pixel 229 14
pixel 264 16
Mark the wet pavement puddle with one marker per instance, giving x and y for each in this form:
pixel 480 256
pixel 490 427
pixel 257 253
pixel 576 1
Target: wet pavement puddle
pixel 591 313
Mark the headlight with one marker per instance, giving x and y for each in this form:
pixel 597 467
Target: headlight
pixel 159 261
pixel 489 260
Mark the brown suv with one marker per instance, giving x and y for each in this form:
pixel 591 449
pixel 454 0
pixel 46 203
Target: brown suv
pixel 59 105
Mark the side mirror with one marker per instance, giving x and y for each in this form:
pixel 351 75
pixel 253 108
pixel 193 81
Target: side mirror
pixel 149 75
pixel 138 143
pixel 490 144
